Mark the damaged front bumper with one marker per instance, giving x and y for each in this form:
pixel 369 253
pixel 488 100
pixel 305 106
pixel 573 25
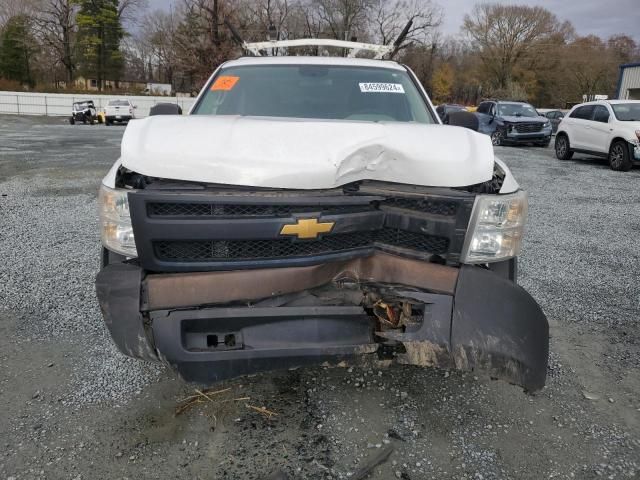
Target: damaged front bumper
pixel 467 318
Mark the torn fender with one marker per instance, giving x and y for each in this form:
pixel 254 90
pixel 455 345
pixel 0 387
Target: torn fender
pixel 498 327
pixel 490 325
pixel 118 289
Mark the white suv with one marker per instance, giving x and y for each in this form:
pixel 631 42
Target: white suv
pixel 608 129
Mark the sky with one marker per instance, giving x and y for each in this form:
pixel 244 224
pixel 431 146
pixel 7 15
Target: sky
pixel 600 17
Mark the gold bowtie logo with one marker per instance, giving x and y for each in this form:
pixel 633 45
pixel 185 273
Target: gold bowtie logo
pixel 307 228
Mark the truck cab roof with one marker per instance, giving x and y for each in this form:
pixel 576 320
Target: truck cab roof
pixel 309 60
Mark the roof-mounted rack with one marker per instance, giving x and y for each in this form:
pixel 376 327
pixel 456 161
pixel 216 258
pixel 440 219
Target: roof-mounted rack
pixel 255 48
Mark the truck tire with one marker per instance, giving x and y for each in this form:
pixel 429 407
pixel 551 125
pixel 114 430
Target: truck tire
pixel 619 156
pixel 563 147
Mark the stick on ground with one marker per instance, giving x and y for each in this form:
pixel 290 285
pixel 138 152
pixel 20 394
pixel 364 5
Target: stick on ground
pixel 372 462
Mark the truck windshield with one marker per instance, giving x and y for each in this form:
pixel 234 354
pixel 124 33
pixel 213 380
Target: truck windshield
pixel 118 103
pixel 516 110
pixel 627 112
pixel 315 92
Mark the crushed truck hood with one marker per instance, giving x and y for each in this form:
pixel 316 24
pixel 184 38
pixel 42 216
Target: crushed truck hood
pixel 304 154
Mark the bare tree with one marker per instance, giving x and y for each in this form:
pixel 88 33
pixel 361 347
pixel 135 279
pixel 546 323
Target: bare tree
pixel 129 11
pixel 13 8
pixel 343 18
pixel 56 28
pixel 590 66
pixel 503 34
pixel 624 47
pixel 388 18
pixel 262 17
pixel 157 45
pixel 200 42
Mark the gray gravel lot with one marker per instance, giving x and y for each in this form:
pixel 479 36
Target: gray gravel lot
pixel 73 407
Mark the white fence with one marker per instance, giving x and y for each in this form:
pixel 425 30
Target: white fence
pixel 52 104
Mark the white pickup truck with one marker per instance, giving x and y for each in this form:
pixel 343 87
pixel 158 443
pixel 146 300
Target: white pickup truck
pixel 315 210
pixel 119 111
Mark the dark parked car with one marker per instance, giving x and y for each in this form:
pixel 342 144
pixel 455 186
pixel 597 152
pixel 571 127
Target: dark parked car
pixel 554 117
pixel 513 123
pixel 444 110
pixel 84 112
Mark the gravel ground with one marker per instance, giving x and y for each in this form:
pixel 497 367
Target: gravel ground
pixel 74 408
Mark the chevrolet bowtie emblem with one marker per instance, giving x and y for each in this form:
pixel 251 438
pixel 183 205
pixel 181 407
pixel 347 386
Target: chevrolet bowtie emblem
pixel 307 228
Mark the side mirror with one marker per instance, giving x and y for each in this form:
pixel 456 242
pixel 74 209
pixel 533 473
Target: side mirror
pixel 464 119
pixel 135 107
pixel 165 109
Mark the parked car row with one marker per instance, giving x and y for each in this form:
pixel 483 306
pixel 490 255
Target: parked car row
pixel 605 128
pixel 116 111
pixel 511 123
pixel 508 123
pixel 554 116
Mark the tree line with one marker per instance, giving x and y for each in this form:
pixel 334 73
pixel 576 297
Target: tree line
pixel 504 51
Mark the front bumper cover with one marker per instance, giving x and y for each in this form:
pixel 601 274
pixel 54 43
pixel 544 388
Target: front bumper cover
pixel 486 323
pixel 537 137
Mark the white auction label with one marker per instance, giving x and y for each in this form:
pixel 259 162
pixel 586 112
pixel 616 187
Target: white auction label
pixel 381 88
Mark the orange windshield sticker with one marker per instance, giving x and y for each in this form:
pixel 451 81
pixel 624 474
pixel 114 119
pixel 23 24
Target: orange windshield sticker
pixel 224 83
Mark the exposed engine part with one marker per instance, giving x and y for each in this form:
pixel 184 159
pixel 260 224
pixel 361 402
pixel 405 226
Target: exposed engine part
pixel 125 178
pixel 490 186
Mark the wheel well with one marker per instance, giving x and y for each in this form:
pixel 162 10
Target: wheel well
pixel 616 139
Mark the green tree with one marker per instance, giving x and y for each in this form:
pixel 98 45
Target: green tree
pixel 99 35
pixel 16 47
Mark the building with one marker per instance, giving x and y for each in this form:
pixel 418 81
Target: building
pixel 629 82
pixel 91 84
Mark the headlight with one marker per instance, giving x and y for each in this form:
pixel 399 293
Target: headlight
pixel 496 228
pixel 115 221
pixel 547 124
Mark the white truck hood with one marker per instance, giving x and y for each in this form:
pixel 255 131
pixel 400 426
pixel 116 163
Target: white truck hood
pixel 304 154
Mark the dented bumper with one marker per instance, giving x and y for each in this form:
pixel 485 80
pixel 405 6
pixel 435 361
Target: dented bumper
pixel 469 319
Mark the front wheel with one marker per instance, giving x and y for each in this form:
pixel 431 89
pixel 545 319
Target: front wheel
pixel 563 149
pixel 619 156
pixel 72 121
pixel 497 138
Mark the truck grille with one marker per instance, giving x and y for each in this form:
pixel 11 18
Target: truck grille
pixel 167 209
pixel 198 251
pixel 177 231
pixel 529 127
pixel 436 207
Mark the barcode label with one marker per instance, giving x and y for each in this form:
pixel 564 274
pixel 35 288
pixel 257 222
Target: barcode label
pixel 381 88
